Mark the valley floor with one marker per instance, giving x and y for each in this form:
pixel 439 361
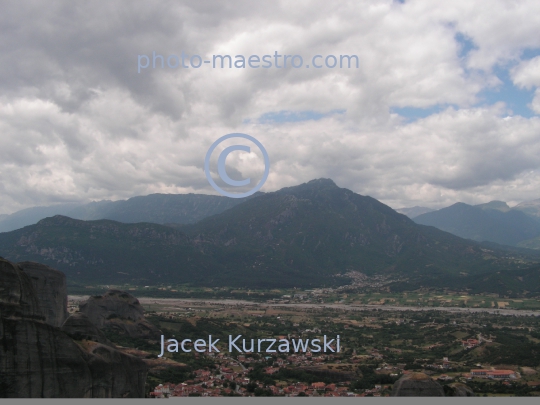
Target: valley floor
pixel 380 344
pixel 171 304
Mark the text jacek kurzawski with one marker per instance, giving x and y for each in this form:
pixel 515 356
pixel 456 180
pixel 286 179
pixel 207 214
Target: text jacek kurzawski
pixel 267 345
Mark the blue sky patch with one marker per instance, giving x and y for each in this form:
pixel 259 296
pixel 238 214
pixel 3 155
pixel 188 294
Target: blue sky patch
pixel 516 99
pixel 530 53
pixel 465 44
pixel 414 113
pixel 295 116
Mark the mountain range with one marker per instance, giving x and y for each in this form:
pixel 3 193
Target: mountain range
pixel 494 222
pixel 303 236
pixel 156 208
pixel 413 212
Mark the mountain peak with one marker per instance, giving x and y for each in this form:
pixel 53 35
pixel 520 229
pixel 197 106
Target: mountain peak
pixel 531 208
pixel 55 220
pixel 311 186
pixel 495 205
pixel 322 182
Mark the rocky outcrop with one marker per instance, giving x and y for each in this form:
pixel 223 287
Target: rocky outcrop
pixel 458 390
pixel 17 296
pixel 40 360
pixel 417 385
pixel 114 374
pixel 121 312
pixel 79 327
pixel 51 289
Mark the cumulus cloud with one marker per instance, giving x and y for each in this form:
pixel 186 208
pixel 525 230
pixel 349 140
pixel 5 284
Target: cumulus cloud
pixel 79 123
pixel 527 75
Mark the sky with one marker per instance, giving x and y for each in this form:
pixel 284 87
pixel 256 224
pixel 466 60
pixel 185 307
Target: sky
pixel 443 107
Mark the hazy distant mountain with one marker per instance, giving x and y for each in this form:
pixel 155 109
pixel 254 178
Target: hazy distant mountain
pixel 3 216
pixel 495 205
pixel 529 207
pixel 32 215
pixel 413 212
pixel 533 243
pixel 156 208
pixel 170 208
pixel 298 236
pixel 486 222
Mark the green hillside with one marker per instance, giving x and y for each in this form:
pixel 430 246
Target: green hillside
pixel 509 283
pixel 107 251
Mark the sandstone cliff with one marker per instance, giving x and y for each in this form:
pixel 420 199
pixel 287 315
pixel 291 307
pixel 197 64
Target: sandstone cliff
pixel 51 289
pixel 79 327
pixel 417 385
pixel 40 360
pixel 114 374
pixel 458 390
pixel 121 312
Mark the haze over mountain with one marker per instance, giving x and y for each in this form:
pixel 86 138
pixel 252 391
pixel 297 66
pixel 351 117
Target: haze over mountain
pixel 297 236
pixel 156 208
pixel 494 221
pixel 495 205
pixel 413 212
pixel 530 207
pixel 32 215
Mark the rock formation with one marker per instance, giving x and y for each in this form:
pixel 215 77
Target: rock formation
pixel 79 327
pixel 121 312
pixel 114 374
pixel 417 385
pixel 40 360
pixel 51 289
pixel 458 390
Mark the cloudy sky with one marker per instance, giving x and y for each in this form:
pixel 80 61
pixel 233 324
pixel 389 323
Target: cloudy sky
pixel 443 107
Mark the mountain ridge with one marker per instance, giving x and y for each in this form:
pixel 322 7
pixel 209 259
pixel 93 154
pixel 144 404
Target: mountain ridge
pixel 413 212
pixel 484 222
pixel 157 208
pixel 303 235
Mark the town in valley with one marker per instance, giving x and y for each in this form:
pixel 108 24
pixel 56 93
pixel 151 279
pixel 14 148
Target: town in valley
pixel 477 345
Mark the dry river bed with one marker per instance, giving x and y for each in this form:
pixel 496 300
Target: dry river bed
pixel 172 303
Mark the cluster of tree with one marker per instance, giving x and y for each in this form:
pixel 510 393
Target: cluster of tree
pixel 513 347
pixel 284 374
pixel 370 379
pixel 526 354
pixel 172 374
pixel 516 389
pixel 258 374
pixel 125 340
pixel 259 392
